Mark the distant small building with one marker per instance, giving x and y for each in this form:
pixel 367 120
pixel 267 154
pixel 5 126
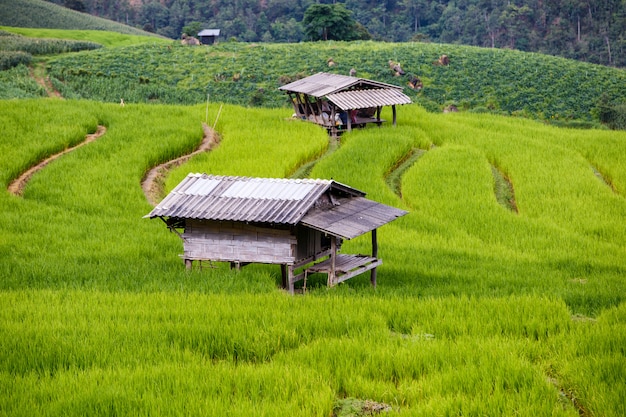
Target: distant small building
pixel 208 36
pixel 296 223
pixel 340 102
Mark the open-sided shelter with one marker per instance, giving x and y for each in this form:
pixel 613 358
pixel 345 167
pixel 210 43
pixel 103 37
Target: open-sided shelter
pixel 298 224
pixel 340 102
pixel 208 36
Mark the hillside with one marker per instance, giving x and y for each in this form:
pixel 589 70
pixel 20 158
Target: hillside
pixel 479 309
pixel 476 79
pixel 590 31
pixel 43 14
pixel 502 292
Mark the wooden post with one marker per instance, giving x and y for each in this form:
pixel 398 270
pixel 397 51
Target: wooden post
pixel 283 273
pixel 333 253
pixel 290 279
pixel 188 264
pixel 333 128
pixel 378 108
pixel 393 110
pixel 375 255
pixel 294 103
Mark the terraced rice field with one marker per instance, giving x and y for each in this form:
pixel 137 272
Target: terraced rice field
pixel 480 308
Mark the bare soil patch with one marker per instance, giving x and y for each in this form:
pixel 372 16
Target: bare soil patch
pixel 152 183
pixel 38 74
pixel 16 187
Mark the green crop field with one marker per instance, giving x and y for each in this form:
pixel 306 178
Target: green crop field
pixel 48 15
pixel 481 308
pixel 502 291
pixel 105 38
pixel 477 79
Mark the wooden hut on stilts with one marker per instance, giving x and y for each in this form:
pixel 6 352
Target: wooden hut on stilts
pixel 298 224
pixel 341 102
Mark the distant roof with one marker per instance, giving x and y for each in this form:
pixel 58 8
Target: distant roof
pixel 359 99
pixel 322 83
pixel 209 32
pixel 276 201
pixel 348 92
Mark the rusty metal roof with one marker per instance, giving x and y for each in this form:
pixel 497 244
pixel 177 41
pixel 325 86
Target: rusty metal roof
pixel 363 99
pixel 322 84
pixel 276 201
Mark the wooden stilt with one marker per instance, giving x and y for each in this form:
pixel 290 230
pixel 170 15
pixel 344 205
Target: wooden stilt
pixel 290 279
pixel 374 255
pixel 283 273
pixel 333 259
pixel 188 264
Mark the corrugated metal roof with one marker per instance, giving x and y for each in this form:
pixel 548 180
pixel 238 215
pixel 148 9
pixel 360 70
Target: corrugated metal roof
pixel 209 32
pixel 363 99
pixel 284 201
pixel 322 84
pixel 352 217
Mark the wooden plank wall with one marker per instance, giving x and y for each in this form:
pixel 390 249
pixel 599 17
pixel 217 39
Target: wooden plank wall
pixel 237 242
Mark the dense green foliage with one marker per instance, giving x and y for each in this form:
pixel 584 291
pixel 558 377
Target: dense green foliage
pixel 36 46
pixel 10 59
pixel 478 311
pixel 17 82
pixel 100 37
pixel 509 82
pixel 323 22
pixel 610 113
pixel 42 14
pixel 591 31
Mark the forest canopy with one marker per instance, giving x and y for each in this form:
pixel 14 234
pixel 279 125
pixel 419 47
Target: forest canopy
pixel 587 30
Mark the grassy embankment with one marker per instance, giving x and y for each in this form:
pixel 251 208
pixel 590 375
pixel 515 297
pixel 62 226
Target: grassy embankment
pixel 479 309
pixel 47 15
pixel 24 52
pixel 105 38
pixel 477 79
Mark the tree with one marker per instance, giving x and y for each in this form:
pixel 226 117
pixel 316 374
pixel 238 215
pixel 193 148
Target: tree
pixel 77 5
pixel 154 15
pixel 289 31
pixel 192 28
pixel 329 22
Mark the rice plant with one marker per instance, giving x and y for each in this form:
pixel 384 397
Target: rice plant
pixel 478 310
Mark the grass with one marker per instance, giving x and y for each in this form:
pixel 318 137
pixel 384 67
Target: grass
pixel 16 83
pixel 478 310
pixel 498 81
pixel 47 15
pixel 108 39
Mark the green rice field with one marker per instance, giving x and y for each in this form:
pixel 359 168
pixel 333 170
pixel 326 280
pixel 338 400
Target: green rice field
pixel 482 308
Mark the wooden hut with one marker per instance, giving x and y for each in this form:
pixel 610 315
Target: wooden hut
pixel 298 224
pixel 208 36
pixel 339 102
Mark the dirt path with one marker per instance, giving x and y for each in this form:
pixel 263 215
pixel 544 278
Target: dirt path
pixel 152 183
pixel 38 74
pixel 17 186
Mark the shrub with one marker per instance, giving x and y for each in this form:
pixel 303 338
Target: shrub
pixel 38 46
pixel 610 114
pixel 10 59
